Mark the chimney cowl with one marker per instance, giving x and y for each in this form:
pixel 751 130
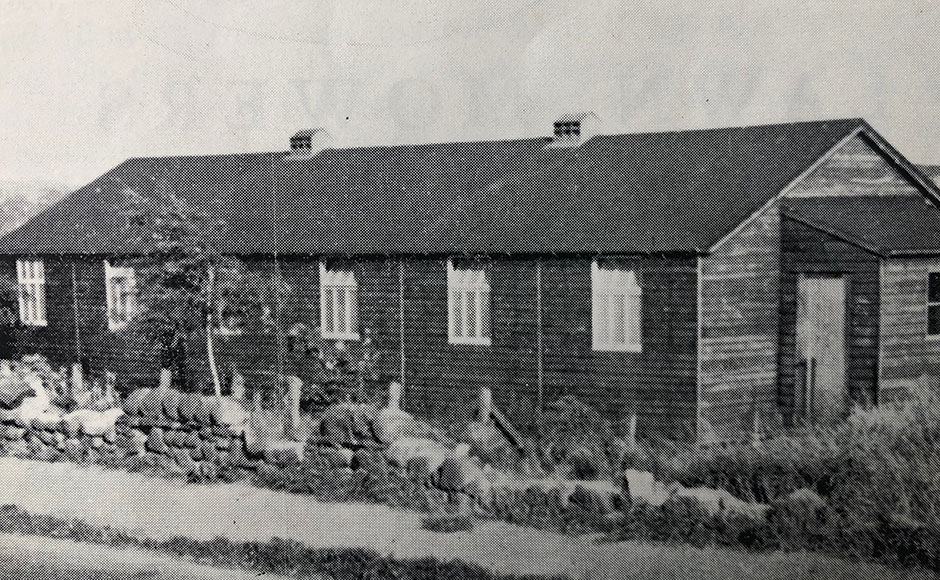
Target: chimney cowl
pixel 572 129
pixel 309 142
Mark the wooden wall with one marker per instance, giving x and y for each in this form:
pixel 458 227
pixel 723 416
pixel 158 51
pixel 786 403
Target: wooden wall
pixel 854 169
pixel 133 360
pixel 740 298
pixel 659 383
pixel 807 250
pixel 441 379
pixel 907 353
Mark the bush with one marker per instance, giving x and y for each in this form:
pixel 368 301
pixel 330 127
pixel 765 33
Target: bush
pixel 576 436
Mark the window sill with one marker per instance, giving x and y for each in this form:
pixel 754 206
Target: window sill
pixel 617 348
pixel 471 341
pixel 36 323
pixel 117 327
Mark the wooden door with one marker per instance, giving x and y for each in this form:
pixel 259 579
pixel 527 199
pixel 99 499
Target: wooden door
pixel 822 395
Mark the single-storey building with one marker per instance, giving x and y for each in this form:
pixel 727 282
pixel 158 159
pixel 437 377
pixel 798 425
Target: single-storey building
pixel 697 279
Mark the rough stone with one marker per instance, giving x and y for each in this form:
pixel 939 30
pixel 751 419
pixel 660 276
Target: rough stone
pixel 156 442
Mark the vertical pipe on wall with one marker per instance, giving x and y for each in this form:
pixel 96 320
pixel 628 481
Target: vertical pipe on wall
pixel 540 365
pixel 698 349
pixel 78 335
pixel 278 307
pixel 401 319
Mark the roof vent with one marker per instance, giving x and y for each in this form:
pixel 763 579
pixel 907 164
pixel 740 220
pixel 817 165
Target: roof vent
pixel 572 129
pixel 309 142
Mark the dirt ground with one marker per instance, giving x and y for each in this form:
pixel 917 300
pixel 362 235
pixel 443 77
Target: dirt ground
pixel 162 508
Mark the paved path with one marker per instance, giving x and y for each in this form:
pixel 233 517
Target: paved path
pixel 162 508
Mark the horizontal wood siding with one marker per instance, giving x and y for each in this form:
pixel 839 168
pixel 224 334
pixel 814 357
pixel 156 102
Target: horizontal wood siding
pixel 442 380
pixel 740 296
pixel 98 347
pixel 809 251
pixel 658 384
pixel 856 168
pixel 907 353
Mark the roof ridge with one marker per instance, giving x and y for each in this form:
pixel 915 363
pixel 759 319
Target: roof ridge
pixel 354 148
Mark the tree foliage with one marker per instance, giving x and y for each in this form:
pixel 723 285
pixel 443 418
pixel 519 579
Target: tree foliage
pixel 184 283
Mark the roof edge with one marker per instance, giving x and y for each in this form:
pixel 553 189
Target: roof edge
pixel 849 239
pixel 924 184
pixel 793 183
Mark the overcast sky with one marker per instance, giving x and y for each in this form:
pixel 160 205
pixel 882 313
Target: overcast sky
pixel 84 85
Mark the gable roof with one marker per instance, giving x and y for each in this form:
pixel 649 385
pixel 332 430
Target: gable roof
pixel 677 191
pixel 885 225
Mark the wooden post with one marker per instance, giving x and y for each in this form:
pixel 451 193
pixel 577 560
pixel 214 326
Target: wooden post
pixel 166 379
pixel 394 396
pixel 292 408
pixel 110 382
pixel 631 430
pixel 486 405
pixel 238 385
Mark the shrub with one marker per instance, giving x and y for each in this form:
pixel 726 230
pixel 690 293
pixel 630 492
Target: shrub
pixel 576 436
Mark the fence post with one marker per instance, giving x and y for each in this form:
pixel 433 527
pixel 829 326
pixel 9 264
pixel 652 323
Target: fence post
pixel 486 404
pixel 110 382
pixel 238 386
pixel 394 396
pixel 166 379
pixel 631 430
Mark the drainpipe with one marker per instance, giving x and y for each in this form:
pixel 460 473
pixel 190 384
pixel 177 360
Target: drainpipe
pixel 539 356
pixel 401 319
pixel 78 336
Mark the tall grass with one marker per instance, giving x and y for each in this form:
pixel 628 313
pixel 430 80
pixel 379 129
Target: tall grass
pixel 882 462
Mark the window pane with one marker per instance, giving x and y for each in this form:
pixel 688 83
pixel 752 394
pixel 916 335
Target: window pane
pixel 485 312
pixel 619 319
pixel 933 320
pixel 341 306
pixel 471 314
pixel 933 287
pixel 458 313
pixel 353 323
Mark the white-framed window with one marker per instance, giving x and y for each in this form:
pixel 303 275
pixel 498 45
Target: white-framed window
pixel 31 276
pixel 933 304
pixel 616 307
pixel 468 304
pixel 339 317
pixel 120 294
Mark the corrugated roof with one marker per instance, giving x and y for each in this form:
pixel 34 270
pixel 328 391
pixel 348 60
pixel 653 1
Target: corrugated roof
pixel 885 225
pixel 678 191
